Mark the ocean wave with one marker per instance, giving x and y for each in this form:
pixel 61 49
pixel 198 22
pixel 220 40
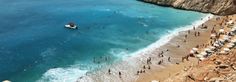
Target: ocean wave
pixel 171 34
pixel 119 53
pixel 70 74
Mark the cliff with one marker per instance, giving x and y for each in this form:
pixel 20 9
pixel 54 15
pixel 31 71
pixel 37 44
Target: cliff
pixel 218 7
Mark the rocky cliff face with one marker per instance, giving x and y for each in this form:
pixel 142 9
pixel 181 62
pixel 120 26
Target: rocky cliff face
pixel 218 7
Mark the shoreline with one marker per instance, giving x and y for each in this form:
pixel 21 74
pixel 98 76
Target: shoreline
pixel 164 75
pixel 139 58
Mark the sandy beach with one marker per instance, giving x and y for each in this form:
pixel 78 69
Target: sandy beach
pixel 160 62
pixel 165 74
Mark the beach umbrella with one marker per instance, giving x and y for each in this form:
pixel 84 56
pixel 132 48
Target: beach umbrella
pixel 217 45
pixel 6 81
pixel 199 56
pixel 234 40
pixel 203 53
pixel 226 49
pixel 213 35
pixel 221 30
pixel 207 49
pixel 195 49
pixel 229 46
pixel 191 51
pixel 216 42
pixel 226 38
pixel 222 52
pixel 221 40
pixel 233 29
pixel 202 58
pixel 212 47
pixel 230 22
pixel 154 81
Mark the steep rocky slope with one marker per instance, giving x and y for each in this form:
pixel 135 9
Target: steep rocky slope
pixel 219 7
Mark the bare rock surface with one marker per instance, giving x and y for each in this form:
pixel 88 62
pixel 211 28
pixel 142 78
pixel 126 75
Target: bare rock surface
pixel 218 7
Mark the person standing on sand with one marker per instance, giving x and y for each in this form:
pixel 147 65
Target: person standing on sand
pixel 159 63
pixel 109 71
pixel 149 67
pixel 198 33
pixel 178 46
pixel 162 52
pixel 169 59
pixel 188 31
pixel 149 60
pixel 195 34
pixel 185 40
pixel 167 50
pixel 119 74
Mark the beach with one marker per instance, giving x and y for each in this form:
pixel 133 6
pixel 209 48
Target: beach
pixel 173 73
pixel 124 41
pixel 160 63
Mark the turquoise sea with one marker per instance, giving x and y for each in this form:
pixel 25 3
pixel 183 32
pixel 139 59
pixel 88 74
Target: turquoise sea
pixel 35 46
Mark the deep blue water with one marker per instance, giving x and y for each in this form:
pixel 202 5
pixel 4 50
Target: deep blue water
pixel 33 39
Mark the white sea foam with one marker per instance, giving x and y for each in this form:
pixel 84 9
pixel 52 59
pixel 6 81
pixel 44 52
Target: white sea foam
pixel 168 36
pixel 70 74
pixel 119 53
pixel 162 41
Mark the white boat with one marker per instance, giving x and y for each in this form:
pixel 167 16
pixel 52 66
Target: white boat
pixel 71 26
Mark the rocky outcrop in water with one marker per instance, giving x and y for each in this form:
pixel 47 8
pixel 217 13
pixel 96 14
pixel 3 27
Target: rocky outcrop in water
pixel 218 7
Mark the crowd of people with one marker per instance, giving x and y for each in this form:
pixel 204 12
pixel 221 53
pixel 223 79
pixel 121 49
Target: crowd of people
pixel 217 41
pixel 222 40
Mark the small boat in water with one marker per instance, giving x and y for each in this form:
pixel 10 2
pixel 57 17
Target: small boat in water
pixel 71 26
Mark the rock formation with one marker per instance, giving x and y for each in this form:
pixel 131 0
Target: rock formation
pixel 218 7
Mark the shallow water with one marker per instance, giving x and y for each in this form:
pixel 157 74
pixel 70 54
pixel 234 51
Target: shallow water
pixel 35 46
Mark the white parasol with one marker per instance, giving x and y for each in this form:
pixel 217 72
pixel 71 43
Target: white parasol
pixel 221 40
pixel 195 49
pixel 213 35
pixel 233 29
pixel 217 45
pixel 154 81
pixel 230 22
pixel 232 44
pixel 199 56
pixel 212 47
pixel 229 46
pixel 207 49
pixel 203 53
pixel 202 58
pixel 191 51
pixel 222 52
pixel 221 30
pixel 234 40
pixel 226 49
